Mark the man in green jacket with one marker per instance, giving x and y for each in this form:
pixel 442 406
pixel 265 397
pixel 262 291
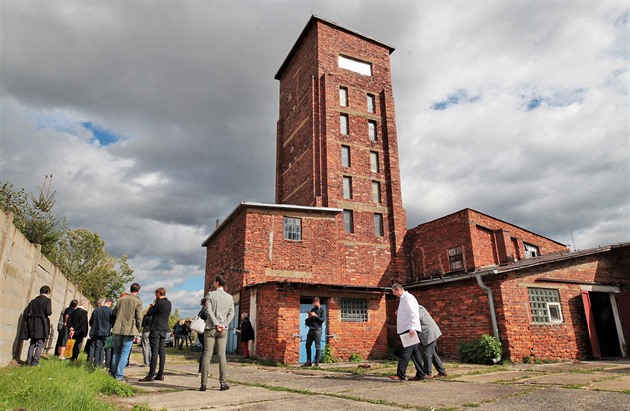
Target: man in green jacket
pixel 128 315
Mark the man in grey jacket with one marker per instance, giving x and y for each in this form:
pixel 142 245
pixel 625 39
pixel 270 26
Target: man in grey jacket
pixel 128 319
pixel 220 308
pixel 428 337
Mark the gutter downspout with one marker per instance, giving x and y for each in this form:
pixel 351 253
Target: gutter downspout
pixel 493 315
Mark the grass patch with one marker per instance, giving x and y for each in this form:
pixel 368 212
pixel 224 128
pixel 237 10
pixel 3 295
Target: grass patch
pixel 471 405
pixel 59 385
pixel 573 386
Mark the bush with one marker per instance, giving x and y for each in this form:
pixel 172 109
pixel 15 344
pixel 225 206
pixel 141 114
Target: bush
pixel 355 358
pixel 327 356
pixel 486 350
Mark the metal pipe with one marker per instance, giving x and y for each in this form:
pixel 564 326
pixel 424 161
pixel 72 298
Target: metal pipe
pixel 493 315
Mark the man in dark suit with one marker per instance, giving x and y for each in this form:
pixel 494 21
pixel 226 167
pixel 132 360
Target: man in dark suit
pixel 38 324
pixel 101 323
pixel 428 337
pixel 78 326
pixel 160 311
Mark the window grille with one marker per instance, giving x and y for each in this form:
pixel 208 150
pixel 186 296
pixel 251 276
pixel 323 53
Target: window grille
pixel 292 229
pixel 354 310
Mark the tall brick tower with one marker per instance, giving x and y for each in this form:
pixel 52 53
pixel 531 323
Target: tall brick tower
pixel 336 138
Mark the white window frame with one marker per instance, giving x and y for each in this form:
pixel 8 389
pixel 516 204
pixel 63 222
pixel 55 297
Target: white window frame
pixel 372 130
pixel 554 319
pixel 344 124
pixel 292 229
pixel 343 96
pixel 371 103
pixel 356 65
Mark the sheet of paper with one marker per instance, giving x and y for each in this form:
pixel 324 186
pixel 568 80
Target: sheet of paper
pixel 408 340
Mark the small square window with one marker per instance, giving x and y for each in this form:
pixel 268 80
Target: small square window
pixel 348 221
pixel 374 162
pixel 378 224
pixel 343 96
pixel 376 191
pixel 343 124
pixel 292 229
pixel 372 133
pixel 354 310
pixel 347 187
pixel 544 305
pixel 531 251
pixel 371 103
pixel 345 156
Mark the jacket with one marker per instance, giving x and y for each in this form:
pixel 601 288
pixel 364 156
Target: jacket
pixel 220 307
pixel 128 316
pixel 36 316
pixel 101 321
pixel 159 313
pixel 430 330
pixel 79 321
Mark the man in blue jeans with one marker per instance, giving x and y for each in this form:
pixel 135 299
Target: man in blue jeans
pixel 128 314
pixel 314 321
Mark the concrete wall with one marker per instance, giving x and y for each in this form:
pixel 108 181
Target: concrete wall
pixel 23 270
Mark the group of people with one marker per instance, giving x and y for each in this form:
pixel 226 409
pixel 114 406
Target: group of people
pixel 182 334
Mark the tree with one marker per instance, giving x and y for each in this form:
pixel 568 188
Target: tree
pixel 33 215
pixel 81 256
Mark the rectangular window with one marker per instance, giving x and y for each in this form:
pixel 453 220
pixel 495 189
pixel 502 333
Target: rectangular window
pixel 348 221
pixel 343 96
pixel 343 124
pixel 376 191
pixel 378 224
pixel 371 103
pixel 456 258
pixel 347 187
pixel 374 162
pixel 544 304
pixel 354 310
pixel 345 156
pixel 372 134
pixel 356 65
pixel 292 229
pixel 531 251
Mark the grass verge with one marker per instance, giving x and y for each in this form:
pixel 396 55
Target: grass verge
pixel 59 385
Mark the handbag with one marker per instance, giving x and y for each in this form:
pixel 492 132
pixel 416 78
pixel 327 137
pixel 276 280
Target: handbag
pixel 198 325
pixel 67 352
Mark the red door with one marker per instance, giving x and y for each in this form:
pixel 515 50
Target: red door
pixel 590 323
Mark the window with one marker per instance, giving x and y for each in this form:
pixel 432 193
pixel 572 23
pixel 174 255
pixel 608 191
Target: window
pixel 348 221
pixel 343 124
pixel 531 251
pixel 371 103
pixel 378 224
pixel 372 135
pixel 358 66
pixel 376 191
pixel 343 96
pixel 374 161
pixel 345 156
pixel 456 258
pixel 544 304
pixel 292 229
pixel 347 187
pixel 354 310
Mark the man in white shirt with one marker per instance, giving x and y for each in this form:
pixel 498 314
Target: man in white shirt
pixel 407 321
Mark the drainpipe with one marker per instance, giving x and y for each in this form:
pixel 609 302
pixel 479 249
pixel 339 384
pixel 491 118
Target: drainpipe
pixel 493 314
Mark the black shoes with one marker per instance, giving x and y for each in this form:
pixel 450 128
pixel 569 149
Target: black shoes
pixel 224 387
pixel 159 378
pixel 148 379
pixel 316 365
pixel 203 387
pixel 307 364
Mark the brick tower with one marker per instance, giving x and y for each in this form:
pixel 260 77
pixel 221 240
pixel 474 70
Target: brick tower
pixel 336 137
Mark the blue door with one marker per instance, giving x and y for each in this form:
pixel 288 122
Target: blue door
pixel 304 309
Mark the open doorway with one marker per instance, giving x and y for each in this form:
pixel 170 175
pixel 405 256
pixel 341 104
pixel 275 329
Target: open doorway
pixel 605 325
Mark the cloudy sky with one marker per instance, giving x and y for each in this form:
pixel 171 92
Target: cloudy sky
pixel 157 118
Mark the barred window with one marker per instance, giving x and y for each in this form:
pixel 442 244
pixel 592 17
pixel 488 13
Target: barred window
pixel 544 304
pixel 292 229
pixel 354 310
pixel 455 258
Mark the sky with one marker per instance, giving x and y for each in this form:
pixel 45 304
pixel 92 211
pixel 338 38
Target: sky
pixel 156 119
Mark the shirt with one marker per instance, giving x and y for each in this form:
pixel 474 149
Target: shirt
pixel 408 318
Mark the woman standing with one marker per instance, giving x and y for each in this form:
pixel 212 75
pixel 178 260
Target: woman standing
pixel 247 334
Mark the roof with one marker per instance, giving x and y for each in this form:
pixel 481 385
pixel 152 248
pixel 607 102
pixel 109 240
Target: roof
pixel 494 218
pixel 287 207
pixel 520 265
pixel 286 283
pixel 315 18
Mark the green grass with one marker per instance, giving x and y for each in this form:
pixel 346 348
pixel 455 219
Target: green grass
pixel 59 385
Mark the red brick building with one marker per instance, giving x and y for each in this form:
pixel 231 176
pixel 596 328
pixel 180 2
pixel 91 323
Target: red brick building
pixel 338 231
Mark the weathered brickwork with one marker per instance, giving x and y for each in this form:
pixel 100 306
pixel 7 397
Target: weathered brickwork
pixel 484 240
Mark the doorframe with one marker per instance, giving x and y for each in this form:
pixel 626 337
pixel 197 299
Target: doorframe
pixel 612 291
